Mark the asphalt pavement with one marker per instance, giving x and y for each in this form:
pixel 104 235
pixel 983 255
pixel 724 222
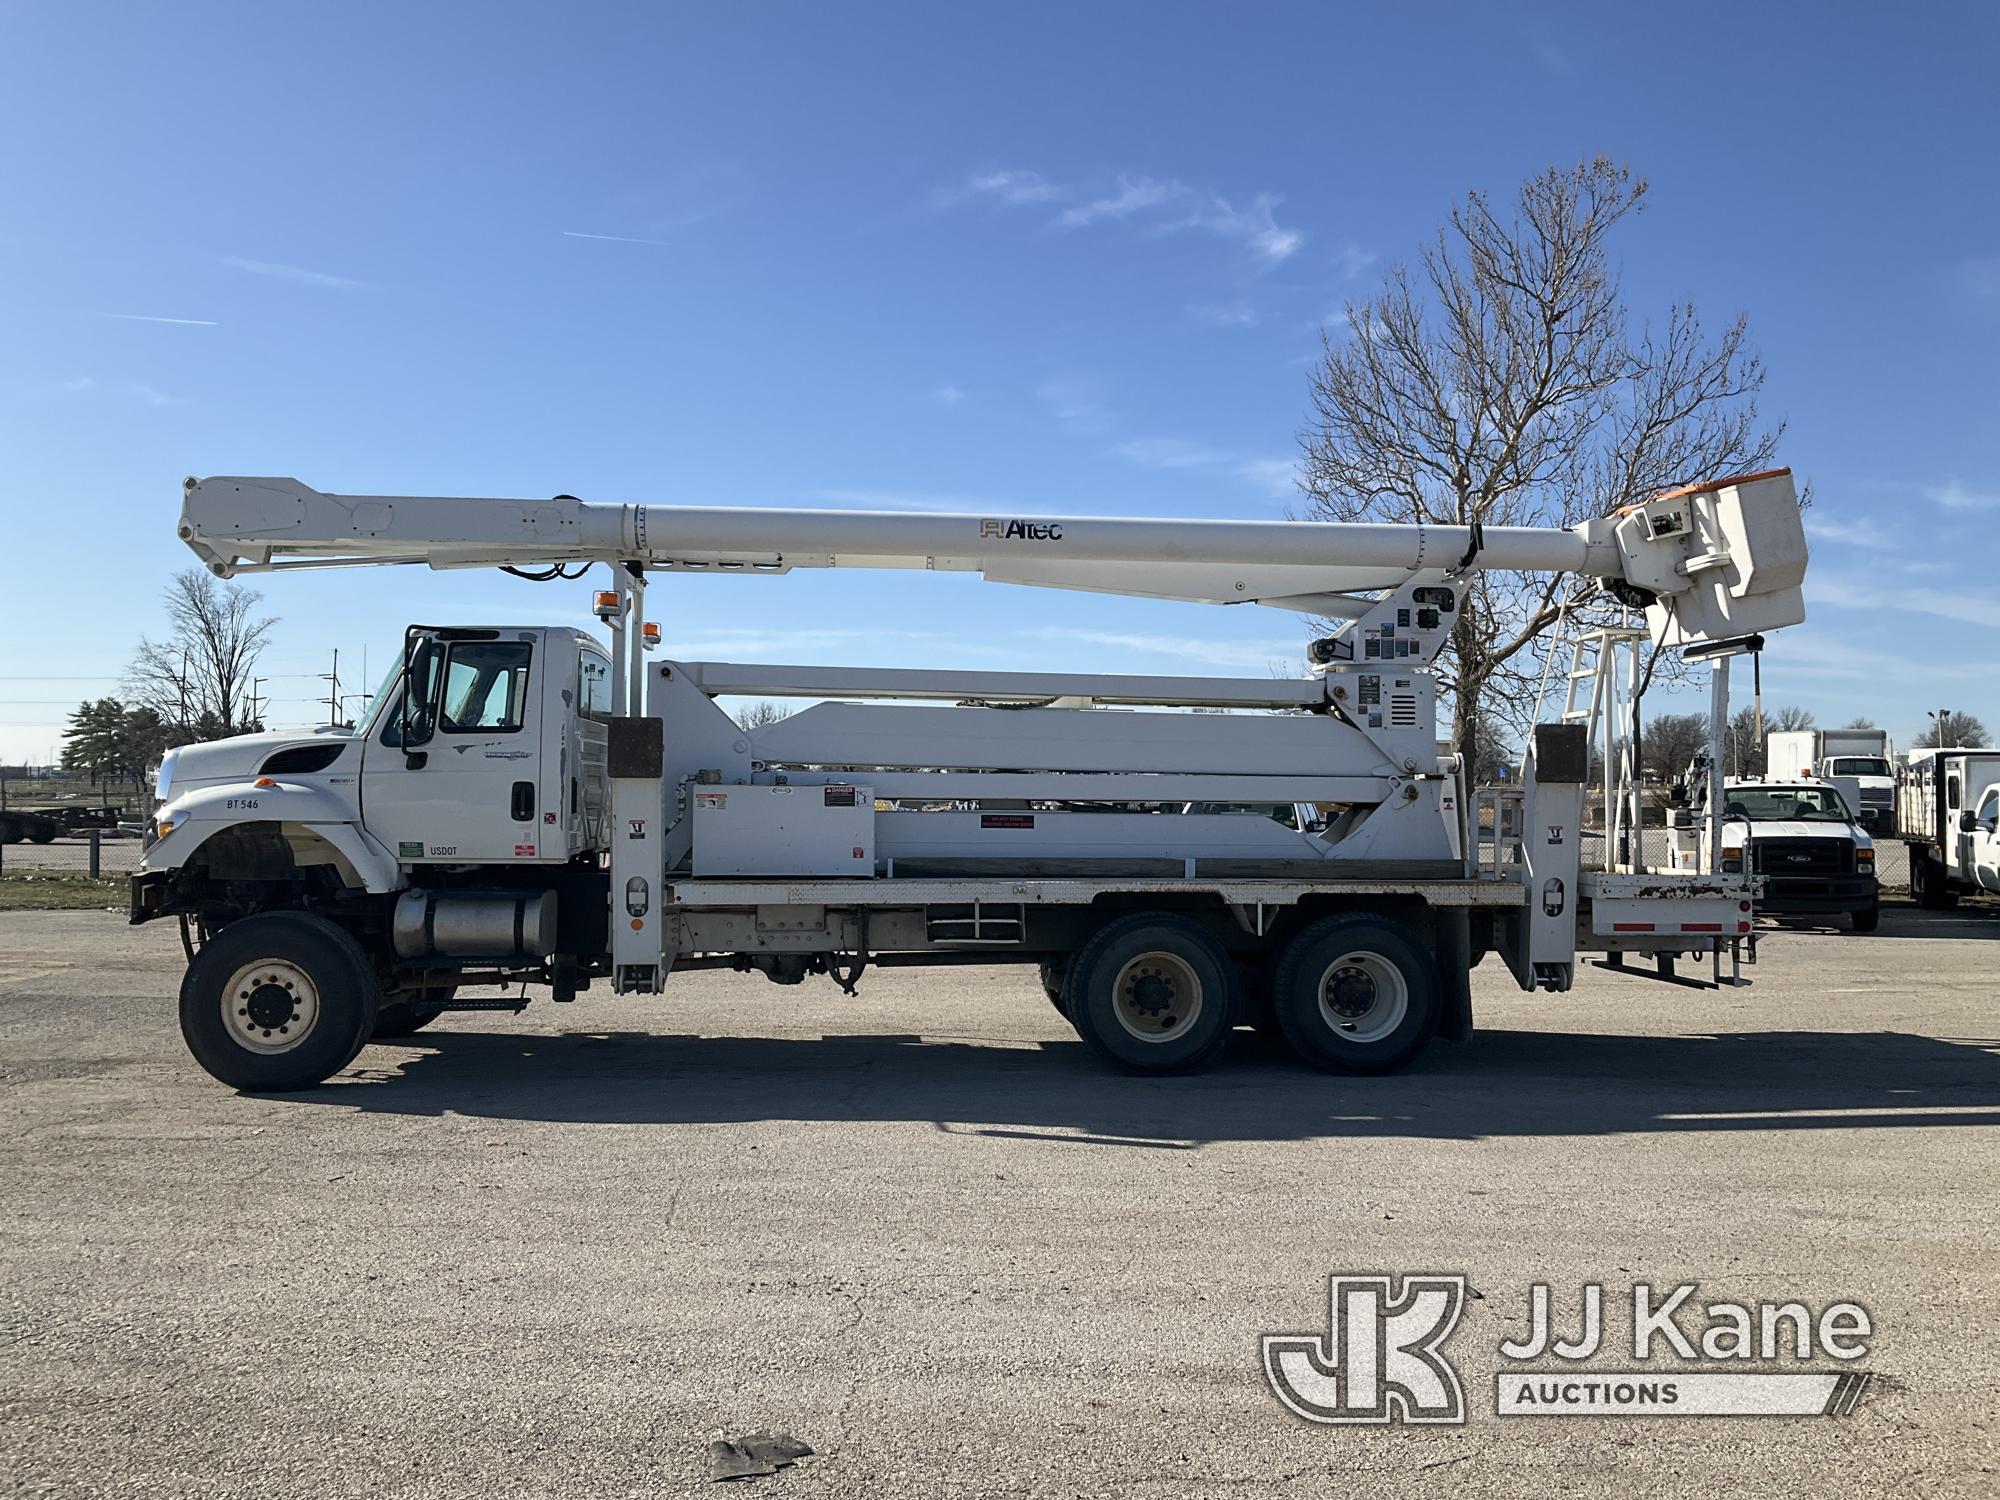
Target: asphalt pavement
pixel 556 1254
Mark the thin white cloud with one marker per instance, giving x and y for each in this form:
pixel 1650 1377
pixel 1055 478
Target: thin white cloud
pixel 1857 593
pixel 1350 260
pixel 1856 531
pixel 78 383
pixel 948 395
pixel 1011 186
pixel 1805 654
pixel 297 274
pixel 152 395
pixel 137 390
pixel 1204 650
pixel 148 318
pixel 623 239
pixel 1169 453
pixel 1153 205
pixel 1270 476
pixel 1277 477
pixel 1957 496
pixel 1226 315
pixel 1072 399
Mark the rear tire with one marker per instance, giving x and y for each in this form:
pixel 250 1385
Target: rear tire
pixel 1930 885
pixel 1153 994
pixel 41 835
pixel 1055 983
pixel 1357 994
pixel 276 1002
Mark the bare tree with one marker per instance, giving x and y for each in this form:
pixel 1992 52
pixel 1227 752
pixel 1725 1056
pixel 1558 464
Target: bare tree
pixel 198 678
pixel 1745 753
pixel 1952 729
pixel 1500 380
pixel 1860 721
pixel 1672 741
pixel 761 713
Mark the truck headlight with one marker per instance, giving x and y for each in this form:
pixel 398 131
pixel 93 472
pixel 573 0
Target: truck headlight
pixel 1865 858
pixel 166 823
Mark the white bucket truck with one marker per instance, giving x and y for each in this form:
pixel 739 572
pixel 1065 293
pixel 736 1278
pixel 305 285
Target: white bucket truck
pixel 525 805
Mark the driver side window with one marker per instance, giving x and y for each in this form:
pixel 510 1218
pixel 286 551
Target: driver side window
pixel 1989 809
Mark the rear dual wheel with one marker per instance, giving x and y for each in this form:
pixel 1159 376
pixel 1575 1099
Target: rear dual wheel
pixel 1152 994
pixel 1356 994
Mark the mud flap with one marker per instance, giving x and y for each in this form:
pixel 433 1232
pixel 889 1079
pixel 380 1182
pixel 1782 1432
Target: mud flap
pixel 1454 961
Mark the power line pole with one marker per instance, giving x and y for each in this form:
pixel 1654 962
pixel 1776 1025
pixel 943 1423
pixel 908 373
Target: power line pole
pixel 333 691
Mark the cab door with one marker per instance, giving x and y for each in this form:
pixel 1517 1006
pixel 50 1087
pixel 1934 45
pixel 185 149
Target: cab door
pixel 452 773
pixel 1985 841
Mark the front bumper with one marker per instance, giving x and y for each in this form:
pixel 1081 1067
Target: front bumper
pixel 1811 894
pixel 149 896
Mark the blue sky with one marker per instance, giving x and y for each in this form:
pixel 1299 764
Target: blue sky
pixel 1060 258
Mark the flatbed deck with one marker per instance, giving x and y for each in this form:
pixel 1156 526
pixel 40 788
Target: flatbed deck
pixel 697 893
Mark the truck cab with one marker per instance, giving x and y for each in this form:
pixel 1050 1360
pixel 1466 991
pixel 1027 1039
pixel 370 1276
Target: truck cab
pixel 484 749
pixel 1803 839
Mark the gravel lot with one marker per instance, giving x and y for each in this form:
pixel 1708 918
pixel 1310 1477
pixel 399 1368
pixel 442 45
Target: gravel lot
pixel 550 1255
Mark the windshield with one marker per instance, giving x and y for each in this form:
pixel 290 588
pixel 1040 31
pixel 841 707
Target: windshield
pixel 377 701
pixel 1778 804
pixel 1858 765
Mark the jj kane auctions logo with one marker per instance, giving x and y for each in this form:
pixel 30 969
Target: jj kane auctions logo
pixel 1381 1359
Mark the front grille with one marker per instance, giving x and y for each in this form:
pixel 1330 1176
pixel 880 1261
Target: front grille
pixel 1802 857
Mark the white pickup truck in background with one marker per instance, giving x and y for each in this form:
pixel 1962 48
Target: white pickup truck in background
pixel 1857 760
pixel 1802 838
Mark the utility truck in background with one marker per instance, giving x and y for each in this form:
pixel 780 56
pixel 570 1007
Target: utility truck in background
pixel 1948 813
pixel 1856 759
pixel 525 804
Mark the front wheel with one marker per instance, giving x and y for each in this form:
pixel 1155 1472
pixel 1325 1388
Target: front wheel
pixel 277 1001
pixel 1356 994
pixel 1866 918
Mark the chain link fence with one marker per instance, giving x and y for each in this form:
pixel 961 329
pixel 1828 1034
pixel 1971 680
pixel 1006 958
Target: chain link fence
pixel 116 854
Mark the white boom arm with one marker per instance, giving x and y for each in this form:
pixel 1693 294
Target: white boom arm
pixel 1723 559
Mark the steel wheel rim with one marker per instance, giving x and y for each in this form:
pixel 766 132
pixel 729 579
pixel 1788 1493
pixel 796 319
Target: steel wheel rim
pixel 1157 997
pixel 1362 997
pixel 270 1006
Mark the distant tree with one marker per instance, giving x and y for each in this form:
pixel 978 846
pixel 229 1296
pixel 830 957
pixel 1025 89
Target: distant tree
pixel 761 713
pixel 1744 746
pixel 1500 381
pixel 107 741
pixel 1953 730
pixel 198 679
pixel 1860 721
pixel 1671 742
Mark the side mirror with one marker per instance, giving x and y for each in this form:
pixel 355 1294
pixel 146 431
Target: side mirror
pixel 1968 823
pixel 1677 794
pixel 417 706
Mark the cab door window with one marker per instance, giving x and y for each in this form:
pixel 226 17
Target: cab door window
pixel 485 687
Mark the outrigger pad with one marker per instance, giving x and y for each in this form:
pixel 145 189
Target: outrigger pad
pixel 1562 753
pixel 635 747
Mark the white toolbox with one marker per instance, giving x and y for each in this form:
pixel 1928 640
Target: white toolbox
pixel 784 830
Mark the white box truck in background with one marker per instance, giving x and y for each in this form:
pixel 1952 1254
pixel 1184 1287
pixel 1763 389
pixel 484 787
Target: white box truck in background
pixel 1857 759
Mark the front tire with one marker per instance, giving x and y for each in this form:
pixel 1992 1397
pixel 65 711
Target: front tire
pixel 276 1002
pixel 1356 994
pixel 1153 994
pixel 1866 919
